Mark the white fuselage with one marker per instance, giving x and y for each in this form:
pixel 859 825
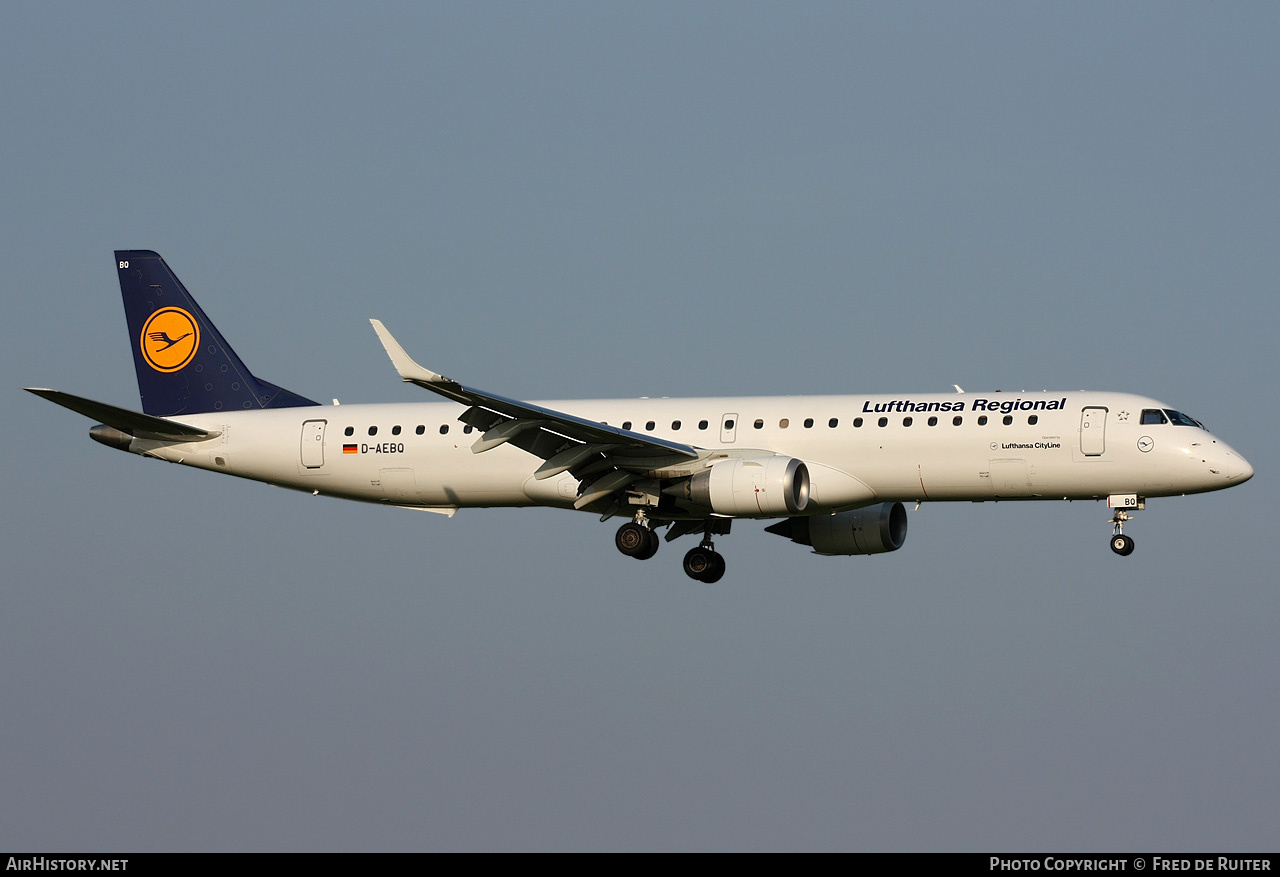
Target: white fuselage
pixel 858 449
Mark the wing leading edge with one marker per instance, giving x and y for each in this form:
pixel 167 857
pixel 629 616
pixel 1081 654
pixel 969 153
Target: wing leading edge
pixel 605 459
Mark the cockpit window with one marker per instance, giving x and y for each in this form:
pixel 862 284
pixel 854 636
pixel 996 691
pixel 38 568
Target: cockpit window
pixel 1179 419
pixel 1153 415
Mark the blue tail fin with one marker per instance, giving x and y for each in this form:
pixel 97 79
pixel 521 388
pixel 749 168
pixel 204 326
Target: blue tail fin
pixel 184 366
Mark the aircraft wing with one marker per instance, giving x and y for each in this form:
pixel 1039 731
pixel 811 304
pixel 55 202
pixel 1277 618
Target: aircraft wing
pixel 135 423
pixel 604 459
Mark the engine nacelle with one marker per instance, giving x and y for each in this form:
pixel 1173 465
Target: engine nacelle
pixel 871 530
pixel 753 487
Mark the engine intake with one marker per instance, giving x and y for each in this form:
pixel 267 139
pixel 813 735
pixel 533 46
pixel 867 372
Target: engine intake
pixel 871 530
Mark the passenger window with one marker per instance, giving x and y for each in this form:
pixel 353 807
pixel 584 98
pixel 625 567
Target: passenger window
pixel 1033 419
pixel 833 422
pixel 957 420
pixel 759 424
pixel 444 429
pixel 675 424
pixel 783 423
pixel 350 430
pixel 808 423
pixel 626 424
pixel 883 421
pixel 395 430
pixel 1008 419
pixel 466 430
pixel 906 421
pixel 857 422
pixel 373 430
pixel 650 425
pixel 702 424
pixel 982 420
pixel 728 424
pixel 933 421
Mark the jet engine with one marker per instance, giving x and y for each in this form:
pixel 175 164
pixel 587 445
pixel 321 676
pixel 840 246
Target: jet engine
pixel 760 487
pixel 870 530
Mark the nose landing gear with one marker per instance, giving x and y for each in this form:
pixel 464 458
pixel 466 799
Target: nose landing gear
pixel 1120 543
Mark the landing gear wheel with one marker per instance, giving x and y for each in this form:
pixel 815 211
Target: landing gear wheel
pixel 716 573
pixel 1122 545
pixel 651 543
pixel 704 564
pixel 697 561
pixel 632 539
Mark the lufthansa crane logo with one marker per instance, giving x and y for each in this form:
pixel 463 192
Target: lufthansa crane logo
pixel 170 339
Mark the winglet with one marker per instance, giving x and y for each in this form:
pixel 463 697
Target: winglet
pixel 409 370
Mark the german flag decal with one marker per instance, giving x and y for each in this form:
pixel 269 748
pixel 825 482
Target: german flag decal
pixel 350 449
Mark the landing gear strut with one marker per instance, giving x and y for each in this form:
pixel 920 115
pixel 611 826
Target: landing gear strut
pixel 636 540
pixel 1120 543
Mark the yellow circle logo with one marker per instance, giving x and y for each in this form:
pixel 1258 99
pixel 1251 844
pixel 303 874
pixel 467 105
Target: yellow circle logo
pixel 170 339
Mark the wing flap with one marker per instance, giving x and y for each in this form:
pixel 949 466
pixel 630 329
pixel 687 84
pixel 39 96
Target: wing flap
pixel 604 486
pixel 505 432
pixel 569 458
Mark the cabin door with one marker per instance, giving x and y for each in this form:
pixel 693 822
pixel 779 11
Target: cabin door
pixel 313 444
pixel 1093 431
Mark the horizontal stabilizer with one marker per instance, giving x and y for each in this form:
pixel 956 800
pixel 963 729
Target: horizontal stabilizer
pixel 135 423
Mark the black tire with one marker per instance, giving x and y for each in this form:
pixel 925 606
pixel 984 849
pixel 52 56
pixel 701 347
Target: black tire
pixel 651 543
pixel 716 573
pixel 631 539
pixel 698 561
pixel 1122 545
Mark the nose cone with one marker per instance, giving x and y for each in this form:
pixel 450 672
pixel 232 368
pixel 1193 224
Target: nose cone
pixel 1231 464
pixel 1238 469
pixel 1214 465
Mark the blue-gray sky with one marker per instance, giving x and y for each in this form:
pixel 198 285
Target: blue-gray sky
pixel 562 200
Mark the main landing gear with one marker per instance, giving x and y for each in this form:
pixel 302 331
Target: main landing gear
pixel 1120 543
pixel 636 539
pixel 704 563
